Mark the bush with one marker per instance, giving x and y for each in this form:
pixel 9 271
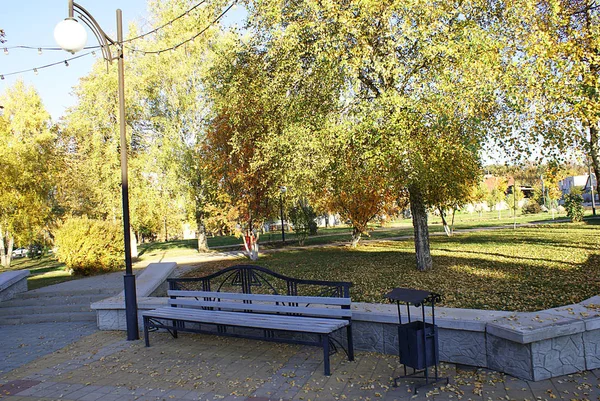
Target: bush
pixel 574 206
pixel 88 246
pixel 532 208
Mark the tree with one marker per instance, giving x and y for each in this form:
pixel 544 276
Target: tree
pixel 574 205
pixel 302 217
pixel 552 76
pixel 479 195
pixel 498 194
pixel 514 197
pixel 359 200
pixel 397 64
pixel 30 160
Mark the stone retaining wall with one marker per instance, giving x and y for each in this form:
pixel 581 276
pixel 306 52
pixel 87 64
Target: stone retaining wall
pixel 13 283
pixel 531 346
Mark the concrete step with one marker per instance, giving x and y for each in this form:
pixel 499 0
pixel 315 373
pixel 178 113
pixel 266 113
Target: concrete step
pixel 43 309
pixel 91 292
pixel 47 318
pixel 54 300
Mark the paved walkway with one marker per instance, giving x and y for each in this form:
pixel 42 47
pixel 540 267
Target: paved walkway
pixel 21 344
pixel 103 366
pixel 74 361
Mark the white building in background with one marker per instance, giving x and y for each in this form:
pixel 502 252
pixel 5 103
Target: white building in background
pixel 581 181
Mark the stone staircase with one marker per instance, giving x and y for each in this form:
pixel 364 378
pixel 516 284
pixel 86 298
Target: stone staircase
pixel 61 305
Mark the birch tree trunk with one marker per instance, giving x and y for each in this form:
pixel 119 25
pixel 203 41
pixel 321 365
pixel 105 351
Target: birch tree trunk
pixel 202 239
pixel 419 218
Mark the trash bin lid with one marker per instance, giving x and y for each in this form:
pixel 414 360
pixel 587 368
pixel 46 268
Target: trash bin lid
pixel 412 296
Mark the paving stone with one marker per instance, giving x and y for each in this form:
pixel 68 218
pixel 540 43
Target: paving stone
pixel 208 368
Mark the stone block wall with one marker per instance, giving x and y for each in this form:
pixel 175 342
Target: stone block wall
pixel 531 346
pixel 13 283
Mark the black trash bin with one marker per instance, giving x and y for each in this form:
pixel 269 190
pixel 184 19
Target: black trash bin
pixel 416 343
pixel 417 340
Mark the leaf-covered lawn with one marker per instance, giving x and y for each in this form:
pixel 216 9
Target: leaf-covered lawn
pixel 528 269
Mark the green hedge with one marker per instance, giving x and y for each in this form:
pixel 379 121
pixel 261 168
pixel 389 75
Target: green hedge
pixel 89 246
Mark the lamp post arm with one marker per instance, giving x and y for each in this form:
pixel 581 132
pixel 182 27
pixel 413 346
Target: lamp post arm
pixel 103 39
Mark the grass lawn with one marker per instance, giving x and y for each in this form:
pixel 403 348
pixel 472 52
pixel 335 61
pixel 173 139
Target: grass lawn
pixel 44 271
pixel 527 269
pixel 341 233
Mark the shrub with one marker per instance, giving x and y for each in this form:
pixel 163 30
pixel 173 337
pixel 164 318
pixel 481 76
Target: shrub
pixel 88 246
pixel 532 208
pixel 574 206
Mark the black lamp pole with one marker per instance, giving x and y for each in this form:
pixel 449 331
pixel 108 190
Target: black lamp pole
pixel 105 42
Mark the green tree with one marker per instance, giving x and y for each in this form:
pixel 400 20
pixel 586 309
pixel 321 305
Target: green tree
pixel 396 66
pixel 302 217
pixel 574 205
pixel 514 197
pixel 497 195
pixel 552 76
pixel 30 160
pixel 171 95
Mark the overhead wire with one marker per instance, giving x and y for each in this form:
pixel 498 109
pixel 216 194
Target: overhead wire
pixel 54 48
pixel 174 47
pixel 66 61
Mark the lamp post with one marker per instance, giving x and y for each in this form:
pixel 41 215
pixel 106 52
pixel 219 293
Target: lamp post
pixel 71 36
pixel 592 187
pixel 282 191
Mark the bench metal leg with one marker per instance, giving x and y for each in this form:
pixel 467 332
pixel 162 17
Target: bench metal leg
pixel 350 342
pixel 175 325
pixel 146 336
pixel 326 367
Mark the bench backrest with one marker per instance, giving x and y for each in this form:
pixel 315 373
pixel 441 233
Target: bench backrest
pixel 251 279
pixel 325 307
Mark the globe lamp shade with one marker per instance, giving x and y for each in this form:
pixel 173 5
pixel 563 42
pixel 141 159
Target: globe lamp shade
pixel 70 35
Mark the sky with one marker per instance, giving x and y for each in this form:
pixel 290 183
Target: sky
pixel 32 22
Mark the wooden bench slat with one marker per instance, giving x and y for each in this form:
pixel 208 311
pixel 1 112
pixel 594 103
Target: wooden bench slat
pixel 176 312
pixel 241 319
pixel 240 306
pixel 256 316
pixel 263 297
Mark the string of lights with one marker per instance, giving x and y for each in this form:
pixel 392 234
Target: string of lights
pixel 165 24
pixel 174 47
pixel 35 70
pixel 66 62
pixel 40 49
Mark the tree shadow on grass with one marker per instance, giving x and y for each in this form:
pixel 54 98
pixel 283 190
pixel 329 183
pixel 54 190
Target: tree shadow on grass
pixel 464 282
pixel 508 237
pixel 501 255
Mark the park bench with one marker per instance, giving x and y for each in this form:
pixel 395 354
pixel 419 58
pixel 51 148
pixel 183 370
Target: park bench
pixel 246 301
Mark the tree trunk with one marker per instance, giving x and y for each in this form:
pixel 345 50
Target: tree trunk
pixel 356 234
pixel 202 239
pixel 594 153
pixel 452 225
pixel 444 222
pixel 166 229
pixel 6 248
pixel 134 248
pixel 419 218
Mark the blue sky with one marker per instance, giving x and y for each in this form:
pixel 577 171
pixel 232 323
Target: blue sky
pixel 32 22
